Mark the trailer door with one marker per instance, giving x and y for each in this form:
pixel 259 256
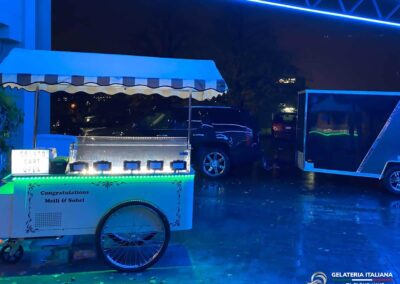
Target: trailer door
pixel 343 128
pixel 300 134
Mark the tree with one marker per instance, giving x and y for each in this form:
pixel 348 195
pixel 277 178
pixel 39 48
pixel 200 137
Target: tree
pixel 251 61
pixel 239 38
pixel 10 118
pixel 236 35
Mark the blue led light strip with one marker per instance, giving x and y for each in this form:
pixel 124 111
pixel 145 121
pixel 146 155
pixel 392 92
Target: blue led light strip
pixel 326 13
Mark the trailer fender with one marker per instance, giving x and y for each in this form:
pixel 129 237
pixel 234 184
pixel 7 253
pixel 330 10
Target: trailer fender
pixel 387 166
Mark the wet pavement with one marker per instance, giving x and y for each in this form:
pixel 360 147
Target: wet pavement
pixel 253 227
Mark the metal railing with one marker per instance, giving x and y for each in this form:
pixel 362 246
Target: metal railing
pixel 386 12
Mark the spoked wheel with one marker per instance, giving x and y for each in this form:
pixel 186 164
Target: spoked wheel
pixel 122 240
pixel 215 163
pixel 395 180
pixel 11 253
pixel 392 180
pixel 133 236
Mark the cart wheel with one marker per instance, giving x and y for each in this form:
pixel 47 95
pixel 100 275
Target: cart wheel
pixel 132 236
pixel 11 258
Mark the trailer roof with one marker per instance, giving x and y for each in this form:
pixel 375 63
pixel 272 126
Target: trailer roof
pixel 350 92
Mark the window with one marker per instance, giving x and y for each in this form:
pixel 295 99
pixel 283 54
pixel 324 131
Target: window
pixel 285 117
pixel 158 120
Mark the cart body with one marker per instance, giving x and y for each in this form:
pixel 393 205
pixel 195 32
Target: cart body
pixel 45 206
pixel 130 192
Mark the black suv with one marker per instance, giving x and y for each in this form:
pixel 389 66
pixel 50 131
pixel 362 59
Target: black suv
pixel 221 136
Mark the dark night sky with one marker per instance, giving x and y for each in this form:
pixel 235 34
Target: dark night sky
pixel 330 53
pixel 336 53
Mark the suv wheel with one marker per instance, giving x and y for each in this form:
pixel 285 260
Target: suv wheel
pixel 214 163
pixel 392 179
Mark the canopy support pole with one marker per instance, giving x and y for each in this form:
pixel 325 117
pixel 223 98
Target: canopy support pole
pixel 36 116
pixel 189 120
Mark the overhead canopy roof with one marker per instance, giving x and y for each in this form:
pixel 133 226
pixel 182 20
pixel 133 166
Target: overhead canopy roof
pixel 91 73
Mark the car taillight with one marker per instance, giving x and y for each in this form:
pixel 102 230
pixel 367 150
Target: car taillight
pixel 249 138
pixel 277 127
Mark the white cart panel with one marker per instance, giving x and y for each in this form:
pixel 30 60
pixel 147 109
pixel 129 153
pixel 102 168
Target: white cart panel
pixel 74 205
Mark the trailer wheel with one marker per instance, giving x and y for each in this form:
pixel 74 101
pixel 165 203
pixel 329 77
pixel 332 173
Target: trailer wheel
pixel 9 256
pixel 132 236
pixel 392 179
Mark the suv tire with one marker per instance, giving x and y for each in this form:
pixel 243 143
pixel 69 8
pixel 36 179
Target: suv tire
pixel 214 162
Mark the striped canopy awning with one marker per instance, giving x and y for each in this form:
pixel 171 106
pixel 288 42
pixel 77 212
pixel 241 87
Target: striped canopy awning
pixel 72 72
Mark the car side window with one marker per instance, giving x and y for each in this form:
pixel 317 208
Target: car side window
pixel 202 116
pixel 180 120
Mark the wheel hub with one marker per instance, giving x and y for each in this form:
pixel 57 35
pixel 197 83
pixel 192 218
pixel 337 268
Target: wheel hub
pixel 395 180
pixel 214 164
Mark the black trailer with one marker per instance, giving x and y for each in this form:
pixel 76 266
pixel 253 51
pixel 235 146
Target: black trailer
pixel 354 133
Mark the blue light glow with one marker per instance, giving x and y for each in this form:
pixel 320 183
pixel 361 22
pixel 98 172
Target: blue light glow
pixel 326 13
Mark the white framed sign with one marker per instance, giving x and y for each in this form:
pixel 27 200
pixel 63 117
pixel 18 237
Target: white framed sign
pixel 26 162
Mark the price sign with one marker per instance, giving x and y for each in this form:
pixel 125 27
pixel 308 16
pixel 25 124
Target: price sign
pixel 25 162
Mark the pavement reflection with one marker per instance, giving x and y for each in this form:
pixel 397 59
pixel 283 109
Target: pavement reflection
pixel 276 227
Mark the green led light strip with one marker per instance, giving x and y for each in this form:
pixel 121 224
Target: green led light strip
pixel 7 188
pixel 106 177
pixel 331 133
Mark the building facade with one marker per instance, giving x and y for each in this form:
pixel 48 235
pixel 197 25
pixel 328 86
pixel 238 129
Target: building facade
pixel 26 24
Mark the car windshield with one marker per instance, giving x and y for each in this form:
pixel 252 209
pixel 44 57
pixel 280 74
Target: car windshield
pixel 158 120
pixel 285 117
pixel 176 119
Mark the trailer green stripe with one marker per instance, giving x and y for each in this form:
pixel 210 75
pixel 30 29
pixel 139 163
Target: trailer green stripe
pixel 333 133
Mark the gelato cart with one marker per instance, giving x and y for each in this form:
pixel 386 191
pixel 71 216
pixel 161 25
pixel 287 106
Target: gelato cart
pixel 130 192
